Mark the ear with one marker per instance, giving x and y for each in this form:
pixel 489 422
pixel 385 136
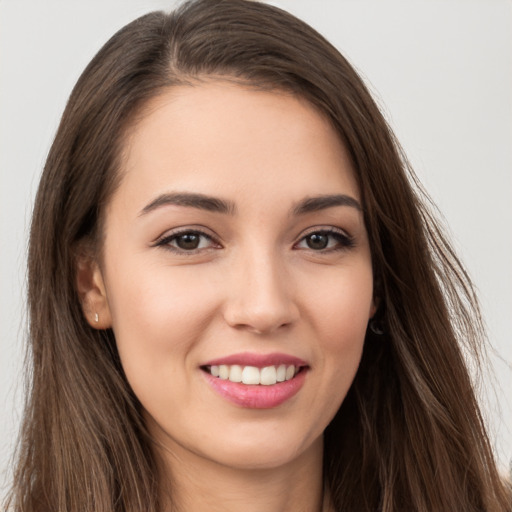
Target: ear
pixel 374 307
pixel 377 293
pixel 92 293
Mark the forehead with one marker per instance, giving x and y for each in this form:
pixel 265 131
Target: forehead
pixel 229 139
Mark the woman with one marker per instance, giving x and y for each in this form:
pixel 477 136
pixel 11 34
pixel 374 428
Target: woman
pixel 237 300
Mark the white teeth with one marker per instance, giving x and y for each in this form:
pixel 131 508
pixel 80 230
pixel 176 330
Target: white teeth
pixel 235 374
pixel 281 373
pixel 268 376
pixel 223 371
pixel 252 375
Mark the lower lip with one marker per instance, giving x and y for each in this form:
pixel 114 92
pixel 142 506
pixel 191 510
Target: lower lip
pixel 257 396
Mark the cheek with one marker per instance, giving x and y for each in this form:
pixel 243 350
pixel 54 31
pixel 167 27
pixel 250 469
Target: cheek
pixel 158 316
pixel 342 307
pixel 339 317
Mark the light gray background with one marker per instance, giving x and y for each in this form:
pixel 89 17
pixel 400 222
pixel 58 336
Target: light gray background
pixel 443 72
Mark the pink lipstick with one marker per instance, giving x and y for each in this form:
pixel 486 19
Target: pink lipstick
pixel 259 381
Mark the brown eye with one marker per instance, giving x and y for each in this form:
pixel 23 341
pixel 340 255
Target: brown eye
pixel 326 240
pixel 317 241
pixel 188 241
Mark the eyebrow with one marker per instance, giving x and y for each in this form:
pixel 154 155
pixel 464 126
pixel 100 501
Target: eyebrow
pixel 214 204
pixel 317 203
pixel 200 201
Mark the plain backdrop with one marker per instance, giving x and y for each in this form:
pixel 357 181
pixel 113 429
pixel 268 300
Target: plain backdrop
pixel 440 69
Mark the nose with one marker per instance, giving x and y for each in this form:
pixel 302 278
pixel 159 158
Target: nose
pixel 261 298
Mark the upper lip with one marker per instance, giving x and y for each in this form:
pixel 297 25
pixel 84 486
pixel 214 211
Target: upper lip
pixel 257 360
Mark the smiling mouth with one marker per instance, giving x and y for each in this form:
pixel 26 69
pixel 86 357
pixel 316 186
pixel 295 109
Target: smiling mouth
pixel 252 375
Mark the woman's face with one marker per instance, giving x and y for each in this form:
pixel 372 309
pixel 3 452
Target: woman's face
pixel 235 248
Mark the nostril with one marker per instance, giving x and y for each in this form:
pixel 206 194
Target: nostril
pixel 262 327
pixel 260 297
pixel 261 321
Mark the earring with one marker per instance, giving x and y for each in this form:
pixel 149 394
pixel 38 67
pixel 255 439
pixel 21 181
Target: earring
pixel 376 327
pixel 96 317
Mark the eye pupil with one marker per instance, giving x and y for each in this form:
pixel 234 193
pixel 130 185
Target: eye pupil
pixel 188 241
pixel 317 241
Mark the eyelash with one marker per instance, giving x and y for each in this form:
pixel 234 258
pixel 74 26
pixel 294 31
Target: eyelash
pixel 165 241
pixel 343 240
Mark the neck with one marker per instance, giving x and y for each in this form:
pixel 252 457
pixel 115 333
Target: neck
pixel 199 485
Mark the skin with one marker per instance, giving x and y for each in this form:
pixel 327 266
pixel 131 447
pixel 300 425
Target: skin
pixel 255 285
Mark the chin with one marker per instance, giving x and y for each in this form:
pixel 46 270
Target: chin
pixel 263 452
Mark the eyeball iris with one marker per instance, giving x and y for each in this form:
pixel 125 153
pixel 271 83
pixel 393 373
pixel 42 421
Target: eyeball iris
pixel 317 241
pixel 188 241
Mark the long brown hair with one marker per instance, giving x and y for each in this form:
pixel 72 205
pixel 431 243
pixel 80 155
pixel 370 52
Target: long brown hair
pixel 409 435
